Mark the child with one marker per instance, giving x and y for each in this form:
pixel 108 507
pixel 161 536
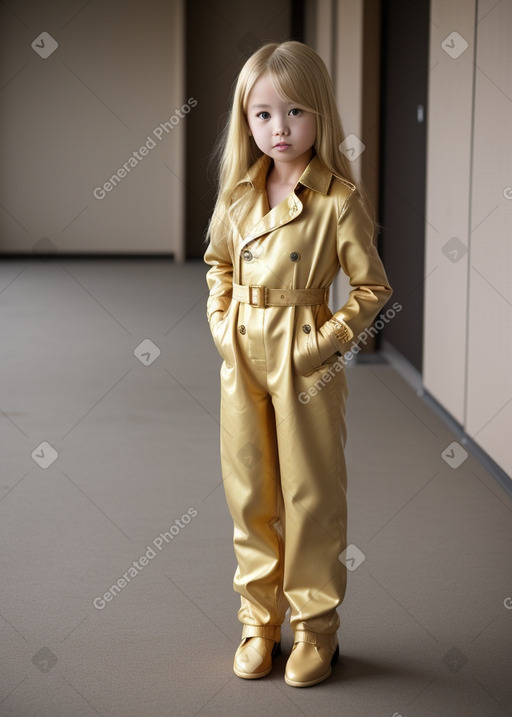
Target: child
pixel 287 217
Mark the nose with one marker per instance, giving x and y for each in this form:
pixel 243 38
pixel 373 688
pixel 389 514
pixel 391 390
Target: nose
pixel 280 127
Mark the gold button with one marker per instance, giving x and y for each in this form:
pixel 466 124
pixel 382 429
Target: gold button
pixel 241 329
pixel 295 256
pixel 306 328
pixel 247 255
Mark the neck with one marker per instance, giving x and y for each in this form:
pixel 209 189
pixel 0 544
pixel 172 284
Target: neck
pixel 289 172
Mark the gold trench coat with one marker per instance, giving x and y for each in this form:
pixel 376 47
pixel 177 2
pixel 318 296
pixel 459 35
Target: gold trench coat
pixel 282 456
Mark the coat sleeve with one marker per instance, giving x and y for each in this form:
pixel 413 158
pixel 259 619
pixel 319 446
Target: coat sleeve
pixel 360 261
pixel 220 277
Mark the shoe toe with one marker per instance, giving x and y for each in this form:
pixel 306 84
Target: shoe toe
pixel 308 665
pixel 253 658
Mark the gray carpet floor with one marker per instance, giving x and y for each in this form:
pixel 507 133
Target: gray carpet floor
pixel 110 468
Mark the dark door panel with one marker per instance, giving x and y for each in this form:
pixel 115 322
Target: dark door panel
pixel 405 39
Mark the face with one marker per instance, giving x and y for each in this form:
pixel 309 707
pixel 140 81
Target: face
pixel 281 129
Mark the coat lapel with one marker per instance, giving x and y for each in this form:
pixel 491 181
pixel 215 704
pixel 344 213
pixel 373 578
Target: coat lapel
pixel 260 220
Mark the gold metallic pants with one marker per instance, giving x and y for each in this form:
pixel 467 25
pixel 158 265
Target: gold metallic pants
pixel 283 465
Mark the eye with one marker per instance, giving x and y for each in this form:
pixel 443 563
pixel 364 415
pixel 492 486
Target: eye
pixel 263 115
pixel 295 112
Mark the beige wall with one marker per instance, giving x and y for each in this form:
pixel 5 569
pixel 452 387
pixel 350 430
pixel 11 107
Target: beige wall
pixel 70 121
pixel 468 295
pixel 468 252
pixel 488 416
pixel 449 123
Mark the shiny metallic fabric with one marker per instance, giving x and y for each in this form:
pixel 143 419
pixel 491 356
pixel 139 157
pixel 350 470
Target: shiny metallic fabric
pixel 283 388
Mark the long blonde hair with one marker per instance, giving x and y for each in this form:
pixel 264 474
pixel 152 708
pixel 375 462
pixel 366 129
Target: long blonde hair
pixel 299 76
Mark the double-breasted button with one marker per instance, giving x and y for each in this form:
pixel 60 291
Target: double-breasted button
pixel 306 328
pixel 241 328
pixel 247 255
pixel 295 256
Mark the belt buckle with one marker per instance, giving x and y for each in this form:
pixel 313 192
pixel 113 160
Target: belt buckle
pixel 259 291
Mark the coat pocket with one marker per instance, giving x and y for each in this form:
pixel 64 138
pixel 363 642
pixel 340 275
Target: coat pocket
pixel 222 334
pixel 312 350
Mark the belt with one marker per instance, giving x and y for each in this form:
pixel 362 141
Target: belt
pixel 261 296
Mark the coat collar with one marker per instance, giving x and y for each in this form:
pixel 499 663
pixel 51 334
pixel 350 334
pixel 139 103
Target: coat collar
pixel 316 176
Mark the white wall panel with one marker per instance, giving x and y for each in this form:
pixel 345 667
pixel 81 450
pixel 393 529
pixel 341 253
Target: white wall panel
pixel 468 293
pixel 447 202
pixel 489 378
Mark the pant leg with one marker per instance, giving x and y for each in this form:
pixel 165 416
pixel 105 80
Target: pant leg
pixel 311 436
pixel 251 478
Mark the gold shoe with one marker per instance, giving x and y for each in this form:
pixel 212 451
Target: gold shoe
pixel 311 658
pixel 259 645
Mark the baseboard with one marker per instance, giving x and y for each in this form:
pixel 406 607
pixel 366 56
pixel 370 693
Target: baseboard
pixel 413 377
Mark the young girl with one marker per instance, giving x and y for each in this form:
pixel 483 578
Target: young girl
pixel 287 217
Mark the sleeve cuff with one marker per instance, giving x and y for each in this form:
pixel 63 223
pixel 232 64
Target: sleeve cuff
pixel 339 332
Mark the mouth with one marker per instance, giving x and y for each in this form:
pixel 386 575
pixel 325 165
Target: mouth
pixel 282 145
